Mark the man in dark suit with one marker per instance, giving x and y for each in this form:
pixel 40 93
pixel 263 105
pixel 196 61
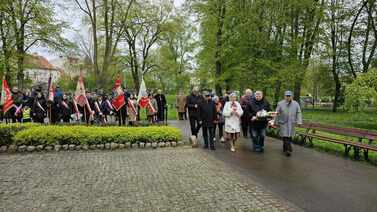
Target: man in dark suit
pixel 208 114
pixel 161 105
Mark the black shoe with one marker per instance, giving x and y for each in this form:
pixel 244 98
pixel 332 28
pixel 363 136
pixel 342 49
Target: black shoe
pixel 205 147
pixel 288 154
pixel 213 148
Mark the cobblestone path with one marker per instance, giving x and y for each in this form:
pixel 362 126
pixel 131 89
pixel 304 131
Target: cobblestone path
pixel 171 179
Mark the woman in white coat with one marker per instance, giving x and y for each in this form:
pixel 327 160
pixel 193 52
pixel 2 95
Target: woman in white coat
pixel 232 113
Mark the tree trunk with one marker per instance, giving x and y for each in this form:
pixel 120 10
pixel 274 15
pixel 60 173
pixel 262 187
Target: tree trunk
pixel 219 33
pixel 336 94
pixel 277 93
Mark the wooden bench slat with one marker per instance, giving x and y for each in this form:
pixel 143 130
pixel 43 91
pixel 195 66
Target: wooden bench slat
pixel 334 140
pixel 342 131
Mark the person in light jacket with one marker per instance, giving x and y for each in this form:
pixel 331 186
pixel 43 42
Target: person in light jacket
pixel 289 115
pixel 232 112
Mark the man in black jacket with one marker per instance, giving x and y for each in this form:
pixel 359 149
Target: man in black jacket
pixel 193 102
pixel 257 112
pixel 207 110
pixel 161 105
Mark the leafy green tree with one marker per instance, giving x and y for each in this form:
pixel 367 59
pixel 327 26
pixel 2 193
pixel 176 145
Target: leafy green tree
pixel 32 23
pixel 362 91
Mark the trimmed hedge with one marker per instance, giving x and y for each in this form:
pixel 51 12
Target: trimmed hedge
pixel 83 135
pixel 8 131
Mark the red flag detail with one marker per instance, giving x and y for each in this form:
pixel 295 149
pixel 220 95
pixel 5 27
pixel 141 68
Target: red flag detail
pixel 118 101
pixel 6 97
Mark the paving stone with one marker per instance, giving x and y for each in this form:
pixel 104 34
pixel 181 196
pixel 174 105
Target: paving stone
pixel 3 148
pixel 179 179
pixel 57 148
pixel 12 148
pixel 49 148
pixel 29 148
pixel 114 146
pixel 71 147
pixel 85 147
pixel 23 148
pixel 40 147
pixel 134 146
pixel 128 145
pixel 100 146
pixel 65 147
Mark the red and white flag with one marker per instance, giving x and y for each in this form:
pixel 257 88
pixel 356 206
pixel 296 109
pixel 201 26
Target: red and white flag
pixel 80 95
pixel 51 90
pixel 6 97
pixel 118 101
pixel 142 98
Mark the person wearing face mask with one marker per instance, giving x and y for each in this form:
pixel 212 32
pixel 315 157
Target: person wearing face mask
pixel 288 116
pixel 232 113
pixel 257 110
pixel 39 109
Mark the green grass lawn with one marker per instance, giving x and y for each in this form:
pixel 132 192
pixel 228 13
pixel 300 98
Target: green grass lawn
pixel 362 120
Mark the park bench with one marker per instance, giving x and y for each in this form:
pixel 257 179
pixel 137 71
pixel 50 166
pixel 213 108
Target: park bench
pixel 362 135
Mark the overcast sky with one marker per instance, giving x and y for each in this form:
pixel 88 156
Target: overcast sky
pixel 72 15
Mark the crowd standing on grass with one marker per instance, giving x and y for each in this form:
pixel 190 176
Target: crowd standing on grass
pixel 251 116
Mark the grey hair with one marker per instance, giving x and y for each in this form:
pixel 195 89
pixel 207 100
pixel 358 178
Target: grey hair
pixel 233 95
pixel 258 92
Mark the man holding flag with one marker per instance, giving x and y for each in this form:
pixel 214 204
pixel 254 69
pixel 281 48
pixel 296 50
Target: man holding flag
pixel 119 102
pixel 147 101
pixel 81 102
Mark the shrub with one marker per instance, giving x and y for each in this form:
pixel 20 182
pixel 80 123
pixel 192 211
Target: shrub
pixel 7 131
pixel 50 135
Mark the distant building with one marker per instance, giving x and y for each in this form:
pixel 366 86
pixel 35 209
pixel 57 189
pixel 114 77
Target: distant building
pixel 38 69
pixel 71 66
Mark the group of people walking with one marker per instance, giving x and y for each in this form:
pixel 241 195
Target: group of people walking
pixel 251 116
pixel 35 106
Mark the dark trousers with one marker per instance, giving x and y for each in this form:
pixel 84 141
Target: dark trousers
pixel 287 144
pixel 258 135
pixel 194 125
pixel 66 119
pixel 122 116
pixel 208 131
pixel 38 120
pixel 220 126
pixel 182 116
pixel 161 114
pixel 245 127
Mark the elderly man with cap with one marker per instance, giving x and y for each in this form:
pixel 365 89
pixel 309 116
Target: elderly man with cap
pixel 208 115
pixel 289 115
pixel 193 101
